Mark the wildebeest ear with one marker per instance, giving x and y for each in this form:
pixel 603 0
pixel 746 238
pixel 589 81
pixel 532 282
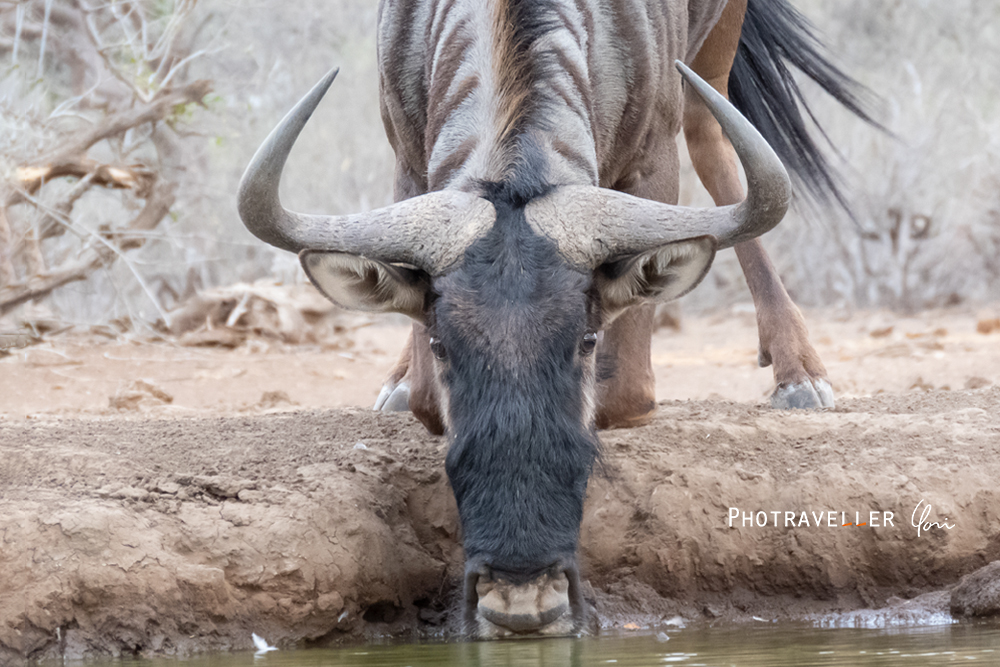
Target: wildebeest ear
pixel 360 283
pixel 660 274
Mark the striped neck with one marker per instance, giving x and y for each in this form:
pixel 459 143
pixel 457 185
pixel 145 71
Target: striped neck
pixel 509 91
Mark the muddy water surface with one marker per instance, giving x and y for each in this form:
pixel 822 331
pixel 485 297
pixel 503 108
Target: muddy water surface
pixel 755 646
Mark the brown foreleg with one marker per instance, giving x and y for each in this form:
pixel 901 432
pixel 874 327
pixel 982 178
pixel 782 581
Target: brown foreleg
pixel 626 389
pixel 784 341
pixel 395 394
pixel 412 384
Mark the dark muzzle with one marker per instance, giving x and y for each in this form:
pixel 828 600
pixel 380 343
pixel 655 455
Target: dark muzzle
pixel 549 603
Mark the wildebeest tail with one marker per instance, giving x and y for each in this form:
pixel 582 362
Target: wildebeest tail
pixel 776 36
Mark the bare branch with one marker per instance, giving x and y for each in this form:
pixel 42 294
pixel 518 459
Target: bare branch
pixel 194 56
pixel 163 50
pixel 159 108
pixel 34 260
pixel 133 177
pixel 49 227
pixel 45 37
pixel 95 257
pixel 65 107
pixel 7 274
pixel 30 179
pixel 102 51
pixel 19 25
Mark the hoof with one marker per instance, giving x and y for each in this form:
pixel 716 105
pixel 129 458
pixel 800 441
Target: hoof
pixel 394 398
pixel 807 395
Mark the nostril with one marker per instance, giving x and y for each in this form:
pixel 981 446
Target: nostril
pixel 534 606
pixel 484 587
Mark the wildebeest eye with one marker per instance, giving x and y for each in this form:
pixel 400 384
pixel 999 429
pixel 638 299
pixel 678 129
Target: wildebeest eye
pixel 588 343
pixel 437 348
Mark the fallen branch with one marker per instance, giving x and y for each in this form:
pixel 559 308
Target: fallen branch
pixel 133 177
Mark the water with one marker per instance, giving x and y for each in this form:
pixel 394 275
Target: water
pixel 754 646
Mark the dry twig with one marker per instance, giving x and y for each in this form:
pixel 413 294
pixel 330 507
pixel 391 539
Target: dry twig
pixel 141 112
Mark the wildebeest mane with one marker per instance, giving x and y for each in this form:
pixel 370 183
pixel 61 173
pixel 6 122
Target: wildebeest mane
pixel 519 66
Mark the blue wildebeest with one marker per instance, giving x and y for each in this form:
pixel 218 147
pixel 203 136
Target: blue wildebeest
pixel 533 231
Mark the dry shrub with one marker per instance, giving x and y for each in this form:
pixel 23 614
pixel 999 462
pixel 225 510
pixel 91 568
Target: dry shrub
pixel 92 97
pixel 926 200
pixel 926 229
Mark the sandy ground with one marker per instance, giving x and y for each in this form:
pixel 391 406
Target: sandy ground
pixel 713 357
pixel 161 498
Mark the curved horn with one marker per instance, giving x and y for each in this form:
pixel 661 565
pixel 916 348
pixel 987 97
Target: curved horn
pixel 403 232
pixel 592 225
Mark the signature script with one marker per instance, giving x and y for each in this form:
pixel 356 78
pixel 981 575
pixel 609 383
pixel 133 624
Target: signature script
pixel 923 523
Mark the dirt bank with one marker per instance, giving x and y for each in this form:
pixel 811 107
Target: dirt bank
pixel 146 533
pixel 175 495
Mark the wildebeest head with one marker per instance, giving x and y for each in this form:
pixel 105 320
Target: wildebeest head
pixel 514 282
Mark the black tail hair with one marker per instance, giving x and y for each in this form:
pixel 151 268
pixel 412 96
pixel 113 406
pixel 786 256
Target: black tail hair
pixel 761 86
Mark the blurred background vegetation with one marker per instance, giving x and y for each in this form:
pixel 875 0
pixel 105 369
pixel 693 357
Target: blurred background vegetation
pixel 214 76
